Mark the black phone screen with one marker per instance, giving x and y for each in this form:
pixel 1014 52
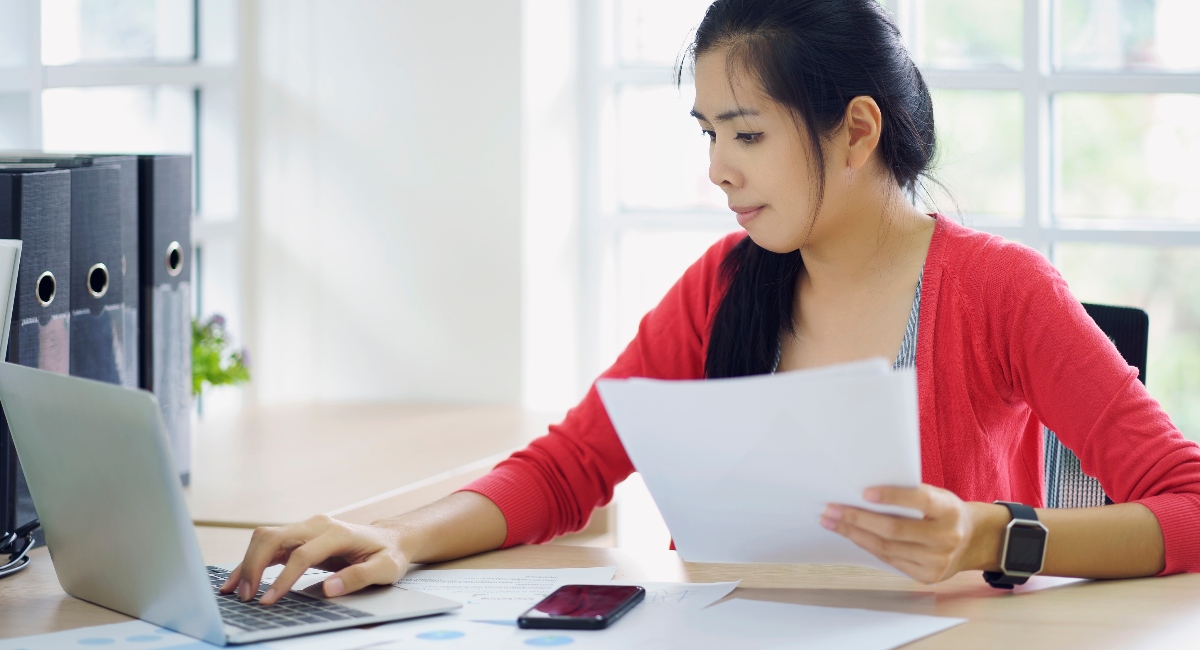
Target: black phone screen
pixel 582 606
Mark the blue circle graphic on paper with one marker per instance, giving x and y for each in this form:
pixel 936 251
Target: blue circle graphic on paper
pixel 441 635
pixel 144 638
pixel 549 640
pixel 97 641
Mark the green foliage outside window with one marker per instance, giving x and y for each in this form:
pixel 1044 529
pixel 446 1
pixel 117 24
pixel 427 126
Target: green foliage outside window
pixel 213 361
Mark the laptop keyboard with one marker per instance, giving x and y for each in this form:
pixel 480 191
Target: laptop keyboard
pixel 289 611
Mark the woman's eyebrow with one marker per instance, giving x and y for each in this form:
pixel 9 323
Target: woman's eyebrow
pixel 727 115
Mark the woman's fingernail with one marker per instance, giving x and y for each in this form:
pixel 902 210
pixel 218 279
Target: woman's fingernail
pixel 833 512
pixel 244 590
pixel 334 586
pixel 268 595
pixel 871 495
pixel 828 523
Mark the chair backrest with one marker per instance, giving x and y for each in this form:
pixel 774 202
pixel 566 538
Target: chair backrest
pixel 1066 484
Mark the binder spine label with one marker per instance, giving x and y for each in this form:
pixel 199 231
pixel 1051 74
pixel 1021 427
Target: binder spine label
pixel 172 322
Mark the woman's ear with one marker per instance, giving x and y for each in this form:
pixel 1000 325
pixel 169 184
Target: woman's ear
pixel 864 125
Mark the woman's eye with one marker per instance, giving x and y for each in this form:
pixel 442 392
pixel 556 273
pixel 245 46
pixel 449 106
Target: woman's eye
pixel 749 138
pixel 712 135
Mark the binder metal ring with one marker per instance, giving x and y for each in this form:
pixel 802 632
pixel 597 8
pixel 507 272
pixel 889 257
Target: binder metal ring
pixel 97 280
pixel 174 259
pixel 45 289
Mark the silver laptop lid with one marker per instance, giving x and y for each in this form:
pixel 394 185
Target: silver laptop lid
pixel 100 472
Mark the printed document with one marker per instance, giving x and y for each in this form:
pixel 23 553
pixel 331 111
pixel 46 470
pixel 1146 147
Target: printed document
pixel 499 594
pixel 742 468
pixel 456 630
pixel 739 623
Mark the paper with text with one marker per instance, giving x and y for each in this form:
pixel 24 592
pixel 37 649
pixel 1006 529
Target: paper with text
pixel 456 631
pixel 499 594
pixel 742 623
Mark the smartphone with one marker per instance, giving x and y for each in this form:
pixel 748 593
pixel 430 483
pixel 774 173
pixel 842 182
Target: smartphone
pixel 581 607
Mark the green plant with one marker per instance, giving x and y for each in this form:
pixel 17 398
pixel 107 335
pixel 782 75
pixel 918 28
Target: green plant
pixel 213 362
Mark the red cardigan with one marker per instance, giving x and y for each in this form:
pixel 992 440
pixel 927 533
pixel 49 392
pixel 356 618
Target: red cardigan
pixel 1003 348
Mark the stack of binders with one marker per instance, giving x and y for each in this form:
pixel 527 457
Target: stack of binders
pixel 35 207
pixel 122 270
pixel 104 289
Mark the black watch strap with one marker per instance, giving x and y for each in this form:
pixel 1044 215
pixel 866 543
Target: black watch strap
pixel 1000 579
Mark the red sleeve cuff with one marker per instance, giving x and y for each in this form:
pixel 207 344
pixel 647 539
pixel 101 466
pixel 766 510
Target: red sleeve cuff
pixel 1178 517
pixel 521 501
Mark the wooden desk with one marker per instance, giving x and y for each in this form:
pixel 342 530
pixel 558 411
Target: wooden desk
pixel 1150 613
pixel 273 465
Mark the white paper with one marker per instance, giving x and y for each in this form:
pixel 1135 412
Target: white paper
pixel 682 625
pixel 499 594
pixel 457 631
pixel 10 264
pixel 145 636
pixel 741 469
pixel 679 595
pixel 1038 583
pixel 756 624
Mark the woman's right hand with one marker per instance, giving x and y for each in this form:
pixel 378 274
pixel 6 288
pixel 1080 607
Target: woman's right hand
pixel 359 555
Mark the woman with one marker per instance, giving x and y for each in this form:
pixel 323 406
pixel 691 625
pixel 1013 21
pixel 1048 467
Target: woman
pixel 820 127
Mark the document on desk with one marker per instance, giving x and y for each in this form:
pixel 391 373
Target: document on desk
pixel 740 623
pixel 741 469
pixel 147 636
pixel 455 630
pixel 499 594
pixel 686 623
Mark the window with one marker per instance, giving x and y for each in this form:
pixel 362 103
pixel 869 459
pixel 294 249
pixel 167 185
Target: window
pixel 139 76
pixel 1066 125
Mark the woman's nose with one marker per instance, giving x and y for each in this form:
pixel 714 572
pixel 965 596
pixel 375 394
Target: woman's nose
pixel 721 171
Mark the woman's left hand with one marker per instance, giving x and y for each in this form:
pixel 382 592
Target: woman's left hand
pixel 953 536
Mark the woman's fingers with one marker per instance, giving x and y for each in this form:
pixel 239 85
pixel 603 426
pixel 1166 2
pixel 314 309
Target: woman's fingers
pixel 328 543
pixel 365 556
pixel 929 500
pixel 879 546
pixel 379 569
pixel 928 549
pixel 235 576
pixel 916 559
pixel 886 526
pixel 268 546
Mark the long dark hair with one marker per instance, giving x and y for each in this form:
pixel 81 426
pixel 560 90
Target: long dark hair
pixel 812 56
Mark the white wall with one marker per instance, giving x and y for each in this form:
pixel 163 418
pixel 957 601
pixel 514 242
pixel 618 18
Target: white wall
pixel 552 277
pixel 383 199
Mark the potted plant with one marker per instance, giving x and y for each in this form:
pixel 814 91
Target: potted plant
pixel 214 361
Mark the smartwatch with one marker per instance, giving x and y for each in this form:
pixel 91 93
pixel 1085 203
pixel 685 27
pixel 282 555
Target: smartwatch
pixel 1024 548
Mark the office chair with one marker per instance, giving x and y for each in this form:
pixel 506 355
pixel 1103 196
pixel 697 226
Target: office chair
pixel 1066 484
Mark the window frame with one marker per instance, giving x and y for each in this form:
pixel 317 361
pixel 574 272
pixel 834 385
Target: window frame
pixel 200 76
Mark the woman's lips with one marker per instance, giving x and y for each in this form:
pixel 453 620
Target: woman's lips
pixel 745 214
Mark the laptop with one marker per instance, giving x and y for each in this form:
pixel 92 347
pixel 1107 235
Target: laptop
pixel 99 469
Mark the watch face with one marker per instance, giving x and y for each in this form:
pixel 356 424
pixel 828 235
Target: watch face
pixel 1025 546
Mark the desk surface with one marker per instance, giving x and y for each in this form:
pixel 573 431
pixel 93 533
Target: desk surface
pixel 1153 612
pixel 270 466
